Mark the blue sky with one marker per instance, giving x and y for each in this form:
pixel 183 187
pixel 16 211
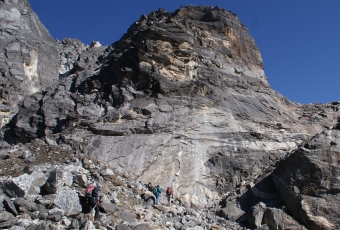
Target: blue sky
pixel 299 39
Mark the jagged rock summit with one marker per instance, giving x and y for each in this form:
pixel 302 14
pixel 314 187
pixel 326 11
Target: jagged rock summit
pixel 181 100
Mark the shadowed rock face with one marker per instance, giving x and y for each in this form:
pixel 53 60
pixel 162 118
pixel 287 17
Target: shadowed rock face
pixel 29 59
pixel 180 100
pixel 308 181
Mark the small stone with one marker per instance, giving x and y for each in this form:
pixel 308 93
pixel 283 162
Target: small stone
pixel 30 160
pixel 26 154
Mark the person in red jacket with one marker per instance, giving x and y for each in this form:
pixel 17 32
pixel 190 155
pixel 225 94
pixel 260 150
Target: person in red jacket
pixel 93 201
pixel 169 194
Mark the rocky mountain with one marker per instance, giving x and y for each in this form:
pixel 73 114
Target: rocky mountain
pixel 180 100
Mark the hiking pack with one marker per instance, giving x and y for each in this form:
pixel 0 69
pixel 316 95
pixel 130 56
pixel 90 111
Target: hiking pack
pixel 169 191
pixel 89 190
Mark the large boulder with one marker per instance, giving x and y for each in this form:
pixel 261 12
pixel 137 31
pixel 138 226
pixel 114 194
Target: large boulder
pixel 255 214
pixel 25 184
pixel 57 180
pixel 276 219
pixel 232 212
pixel 67 199
pixel 309 182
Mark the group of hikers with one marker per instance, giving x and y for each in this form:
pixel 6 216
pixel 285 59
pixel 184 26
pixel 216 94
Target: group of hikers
pixel 93 196
pixel 157 191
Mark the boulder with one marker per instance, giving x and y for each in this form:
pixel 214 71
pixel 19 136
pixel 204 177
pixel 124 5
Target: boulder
pixel 107 207
pixel 144 226
pixel 26 154
pixel 255 214
pixel 9 206
pixel 5 216
pixel 57 179
pixel 17 228
pixel 25 184
pixel 87 225
pixel 67 199
pixel 277 219
pixel 20 202
pixel 309 183
pixel 9 223
pixel 232 211
pixel 126 215
pixel 122 226
pixel 80 179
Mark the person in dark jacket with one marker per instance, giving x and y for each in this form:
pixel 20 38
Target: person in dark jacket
pixel 93 201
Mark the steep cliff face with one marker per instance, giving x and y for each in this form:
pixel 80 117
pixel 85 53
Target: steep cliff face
pixel 180 100
pixel 29 59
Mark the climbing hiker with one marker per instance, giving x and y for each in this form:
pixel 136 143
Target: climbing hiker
pixel 150 187
pixel 93 197
pixel 157 191
pixel 169 194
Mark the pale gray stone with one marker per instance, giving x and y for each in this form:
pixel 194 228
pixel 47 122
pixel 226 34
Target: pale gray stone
pixel 67 199
pixel 255 215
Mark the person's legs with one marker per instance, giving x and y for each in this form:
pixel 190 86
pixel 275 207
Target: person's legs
pixel 158 198
pixel 96 215
pixel 91 205
pixel 169 199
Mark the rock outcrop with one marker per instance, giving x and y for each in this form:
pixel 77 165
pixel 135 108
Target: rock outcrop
pixel 308 181
pixel 181 100
pixel 181 97
pixel 29 59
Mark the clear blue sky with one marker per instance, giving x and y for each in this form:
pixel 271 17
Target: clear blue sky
pixel 299 39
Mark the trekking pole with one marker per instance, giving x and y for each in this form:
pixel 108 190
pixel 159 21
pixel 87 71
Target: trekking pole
pixel 94 207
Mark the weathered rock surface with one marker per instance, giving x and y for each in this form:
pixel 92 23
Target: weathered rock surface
pixel 68 200
pixel 181 100
pixel 24 185
pixel 308 181
pixel 181 97
pixel 278 219
pixel 255 215
pixel 29 60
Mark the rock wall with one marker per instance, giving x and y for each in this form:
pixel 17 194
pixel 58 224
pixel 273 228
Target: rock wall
pixel 29 59
pixel 181 99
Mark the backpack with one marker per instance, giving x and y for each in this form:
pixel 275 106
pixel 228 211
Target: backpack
pixel 88 191
pixel 154 191
pixel 169 191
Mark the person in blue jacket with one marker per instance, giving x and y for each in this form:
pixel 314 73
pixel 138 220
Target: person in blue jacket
pixel 157 193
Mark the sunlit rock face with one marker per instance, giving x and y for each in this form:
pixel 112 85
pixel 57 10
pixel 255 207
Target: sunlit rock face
pixel 28 56
pixel 181 99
